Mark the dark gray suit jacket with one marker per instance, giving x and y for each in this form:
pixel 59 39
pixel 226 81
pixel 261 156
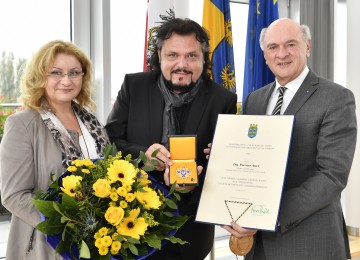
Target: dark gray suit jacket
pixel 135 123
pixel 322 149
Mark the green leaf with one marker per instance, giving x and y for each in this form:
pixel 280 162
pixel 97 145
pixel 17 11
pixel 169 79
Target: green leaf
pixel 105 257
pixel 153 241
pixel 172 189
pixel 170 203
pixel 64 219
pixel 148 168
pixel 178 221
pixel 175 240
pixel 84 250
pixel 62 246
pixel 110 150
pixel 183 191
pixel 133 249
pixel 50 227
pixel 45 207
pixel 154 162
pixel 69 203
pixel 177 196
pixel 142 156
pixel 154 153
pixel 132 240
pixel 168 214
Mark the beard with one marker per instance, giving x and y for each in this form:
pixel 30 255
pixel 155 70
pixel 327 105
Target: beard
pixel 181 88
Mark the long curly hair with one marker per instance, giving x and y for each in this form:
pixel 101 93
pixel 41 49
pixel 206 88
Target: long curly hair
pixel 34 78
pixel 182 27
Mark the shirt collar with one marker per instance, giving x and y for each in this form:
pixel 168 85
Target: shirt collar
pixel 294 85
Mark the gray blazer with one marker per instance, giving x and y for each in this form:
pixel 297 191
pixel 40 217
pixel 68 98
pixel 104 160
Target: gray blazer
pixel 28 155
pixel 312 226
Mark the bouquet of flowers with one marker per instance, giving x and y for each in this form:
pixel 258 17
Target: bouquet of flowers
pixel 109 209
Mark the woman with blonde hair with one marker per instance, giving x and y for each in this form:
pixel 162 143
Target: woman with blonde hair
pixel 55 127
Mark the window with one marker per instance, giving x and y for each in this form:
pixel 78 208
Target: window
pixel 24 27
pixel 128 19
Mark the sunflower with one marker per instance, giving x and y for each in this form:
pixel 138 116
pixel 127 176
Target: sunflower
pixel 69 184
pixel 132 225
pixel 149 199
pixel 121 170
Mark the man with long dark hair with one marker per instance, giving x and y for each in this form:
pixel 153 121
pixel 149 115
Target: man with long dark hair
pixel 177 97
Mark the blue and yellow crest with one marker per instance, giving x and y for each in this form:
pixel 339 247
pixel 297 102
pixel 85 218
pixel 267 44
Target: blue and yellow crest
pixel 183 172
pixel 252 130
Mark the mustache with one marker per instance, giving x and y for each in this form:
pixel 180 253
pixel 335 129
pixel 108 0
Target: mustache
pixel 183 71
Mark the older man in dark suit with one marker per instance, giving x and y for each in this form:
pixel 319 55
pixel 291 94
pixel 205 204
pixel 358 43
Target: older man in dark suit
pixel 311 221
pixel 176 97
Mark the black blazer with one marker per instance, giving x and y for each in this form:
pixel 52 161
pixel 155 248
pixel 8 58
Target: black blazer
pixel 135 123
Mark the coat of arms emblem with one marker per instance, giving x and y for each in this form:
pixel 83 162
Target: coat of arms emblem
pixel 252 130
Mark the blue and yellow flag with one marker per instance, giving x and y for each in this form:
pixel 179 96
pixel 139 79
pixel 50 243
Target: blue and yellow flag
pixel 257 74
pixel 217 21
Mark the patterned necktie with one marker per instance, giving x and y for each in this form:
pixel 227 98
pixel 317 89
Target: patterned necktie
pixel 279 102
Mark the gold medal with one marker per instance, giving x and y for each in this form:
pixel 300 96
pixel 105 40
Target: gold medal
pixel 241 246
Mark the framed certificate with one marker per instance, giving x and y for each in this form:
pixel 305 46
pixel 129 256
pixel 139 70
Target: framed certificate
pixel 246 171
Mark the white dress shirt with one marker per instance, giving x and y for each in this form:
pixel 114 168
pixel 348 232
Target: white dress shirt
pixel 291 89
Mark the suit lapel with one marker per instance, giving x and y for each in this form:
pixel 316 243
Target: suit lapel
pixel 196 111
pixel 155 111
pixel 262 104
pixel 307 88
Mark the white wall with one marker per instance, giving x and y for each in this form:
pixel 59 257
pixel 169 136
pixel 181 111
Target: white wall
pixel 353 82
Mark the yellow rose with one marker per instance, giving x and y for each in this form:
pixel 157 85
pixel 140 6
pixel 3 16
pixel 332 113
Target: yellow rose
pixel 102 188
pixel 114 215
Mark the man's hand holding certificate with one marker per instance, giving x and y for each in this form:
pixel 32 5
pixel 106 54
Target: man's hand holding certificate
pixel 246 171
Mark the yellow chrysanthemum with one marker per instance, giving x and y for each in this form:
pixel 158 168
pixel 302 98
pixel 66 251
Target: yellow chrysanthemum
pixel 86 171
pixel 144 181
pixel 106 241
pixel 149 199
pixel 114 196
pixel 103 231
pixel 121 191
pixel 77 163
pixel 114 236
pixel 128 187
pixel 103 250
pixel 88 163
pixel 132 225
pixel 69 184
pixel 121 170
pixel 97 235
pixel 98 243
pixel 114 252
pixel 71 169
pixel 116 246
pixel 129 197
pixel 112 204
pixel 123 204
